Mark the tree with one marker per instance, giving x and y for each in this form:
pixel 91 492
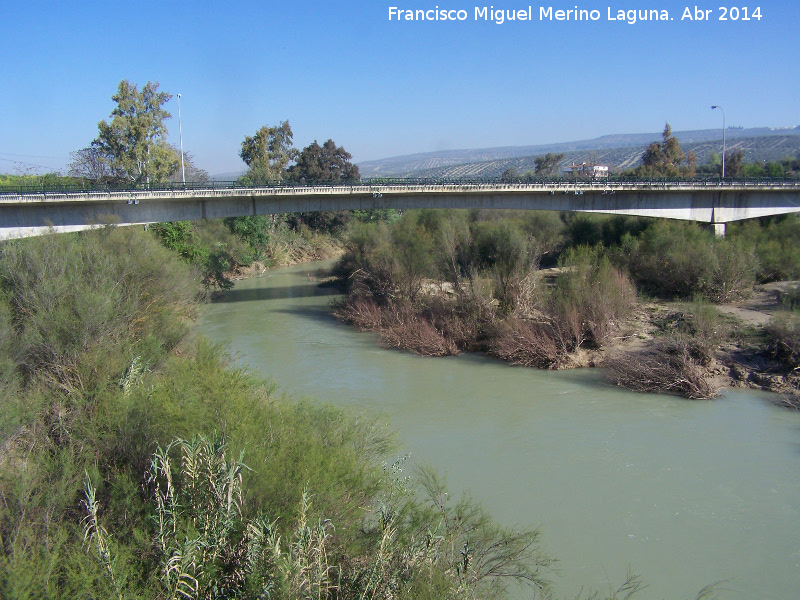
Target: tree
pixel 510 175
pixel 267 153
pixel 194 173
pixel 90 164
pixel 326 163
pixel 133 145
pixel 547 165
pixel 665 159
pixel 734 161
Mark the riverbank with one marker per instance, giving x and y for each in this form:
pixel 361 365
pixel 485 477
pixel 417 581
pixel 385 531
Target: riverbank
pixel 135 457
pixel 442 283
pixel 729 350
pixel 741 358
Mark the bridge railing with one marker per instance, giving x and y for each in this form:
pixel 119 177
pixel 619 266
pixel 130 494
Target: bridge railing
pixel 91 187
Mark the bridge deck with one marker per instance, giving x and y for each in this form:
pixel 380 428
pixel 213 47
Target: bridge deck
pixel 231 189
pixel 31 212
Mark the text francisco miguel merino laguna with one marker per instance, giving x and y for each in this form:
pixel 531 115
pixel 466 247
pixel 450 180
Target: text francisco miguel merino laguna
pixel 548 13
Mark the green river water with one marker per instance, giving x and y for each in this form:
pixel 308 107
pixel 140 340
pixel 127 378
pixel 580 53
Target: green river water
pixel 683 493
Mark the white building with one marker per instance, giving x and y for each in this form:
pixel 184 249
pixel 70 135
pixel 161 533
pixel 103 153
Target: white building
pixel 586 171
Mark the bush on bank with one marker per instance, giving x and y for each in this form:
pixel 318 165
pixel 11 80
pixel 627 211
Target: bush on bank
pixel 220 248
pixel 775 242
pixel 443 282
pixel 439 283
pixel 682 260
pixel 107 406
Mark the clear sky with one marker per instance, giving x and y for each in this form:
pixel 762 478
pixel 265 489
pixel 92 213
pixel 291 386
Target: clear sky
pixel 380 88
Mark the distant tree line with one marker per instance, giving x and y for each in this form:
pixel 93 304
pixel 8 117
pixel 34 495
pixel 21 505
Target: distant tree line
pixel 667 159
pixel 131 148
pixel 271 156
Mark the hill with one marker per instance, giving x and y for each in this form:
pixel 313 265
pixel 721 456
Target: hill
pixel 620 151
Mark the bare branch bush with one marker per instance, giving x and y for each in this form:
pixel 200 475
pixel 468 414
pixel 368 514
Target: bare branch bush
pixel 363 312
pixel 543 345
pixel 404 328
pixel 668 366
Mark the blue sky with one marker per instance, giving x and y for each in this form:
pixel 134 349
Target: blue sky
pixel 342 70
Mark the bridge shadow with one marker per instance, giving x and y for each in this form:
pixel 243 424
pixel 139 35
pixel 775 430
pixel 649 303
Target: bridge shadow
pixel 273 293
pixel 320 314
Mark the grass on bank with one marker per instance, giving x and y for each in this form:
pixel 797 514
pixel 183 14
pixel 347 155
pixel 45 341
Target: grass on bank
pixel 110 412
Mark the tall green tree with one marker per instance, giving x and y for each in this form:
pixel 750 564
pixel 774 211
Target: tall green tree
pixel 328 162
pixel 134 143
pixel 268 153
pixel 666 159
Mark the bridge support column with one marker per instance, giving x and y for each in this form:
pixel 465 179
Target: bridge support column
pixel 719 229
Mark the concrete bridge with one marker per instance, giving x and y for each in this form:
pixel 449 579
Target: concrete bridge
pixel 32 212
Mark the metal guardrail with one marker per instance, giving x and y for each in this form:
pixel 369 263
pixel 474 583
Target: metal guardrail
pixel 87 188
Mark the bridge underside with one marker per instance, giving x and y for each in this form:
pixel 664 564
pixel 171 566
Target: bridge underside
pixel 33 215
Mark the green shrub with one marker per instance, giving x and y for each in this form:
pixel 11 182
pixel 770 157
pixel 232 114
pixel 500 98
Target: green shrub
pixel 592 292
pixel 84 305
pixel 546 230
pixel 412 245
pixel 703 328
pixel 9 377
pixel 590 229
pixel 331 222
pixel 731 272
pixel 790 298
pixel 253 230
pixel 775 243
pixel 674 259
pixel 783 330
pixel 210 246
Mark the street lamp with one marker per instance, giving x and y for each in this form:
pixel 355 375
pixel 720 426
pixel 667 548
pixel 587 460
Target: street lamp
pixel 723 138
pixel 180 132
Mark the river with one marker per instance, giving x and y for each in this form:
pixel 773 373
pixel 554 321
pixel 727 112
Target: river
pixel 684 493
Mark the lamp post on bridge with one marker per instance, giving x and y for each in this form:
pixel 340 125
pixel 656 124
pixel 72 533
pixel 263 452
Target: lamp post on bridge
pixel 180 133
pixel 723 138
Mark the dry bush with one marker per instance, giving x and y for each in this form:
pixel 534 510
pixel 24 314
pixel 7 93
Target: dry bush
pixel 614 298
pixel 454 327
pixel 590 299
pixel 531 344
pixel 568 323
pixel 668 366
pixel 406 330
pixel 362 312
pixel 376 281
pixel 591 296
pixel 461 319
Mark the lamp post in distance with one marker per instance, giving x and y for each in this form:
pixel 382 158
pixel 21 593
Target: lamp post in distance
pixel 723 138
pixel 180 133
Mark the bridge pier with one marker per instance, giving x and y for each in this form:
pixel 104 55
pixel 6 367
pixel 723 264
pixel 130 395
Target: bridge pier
pixel 719 229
